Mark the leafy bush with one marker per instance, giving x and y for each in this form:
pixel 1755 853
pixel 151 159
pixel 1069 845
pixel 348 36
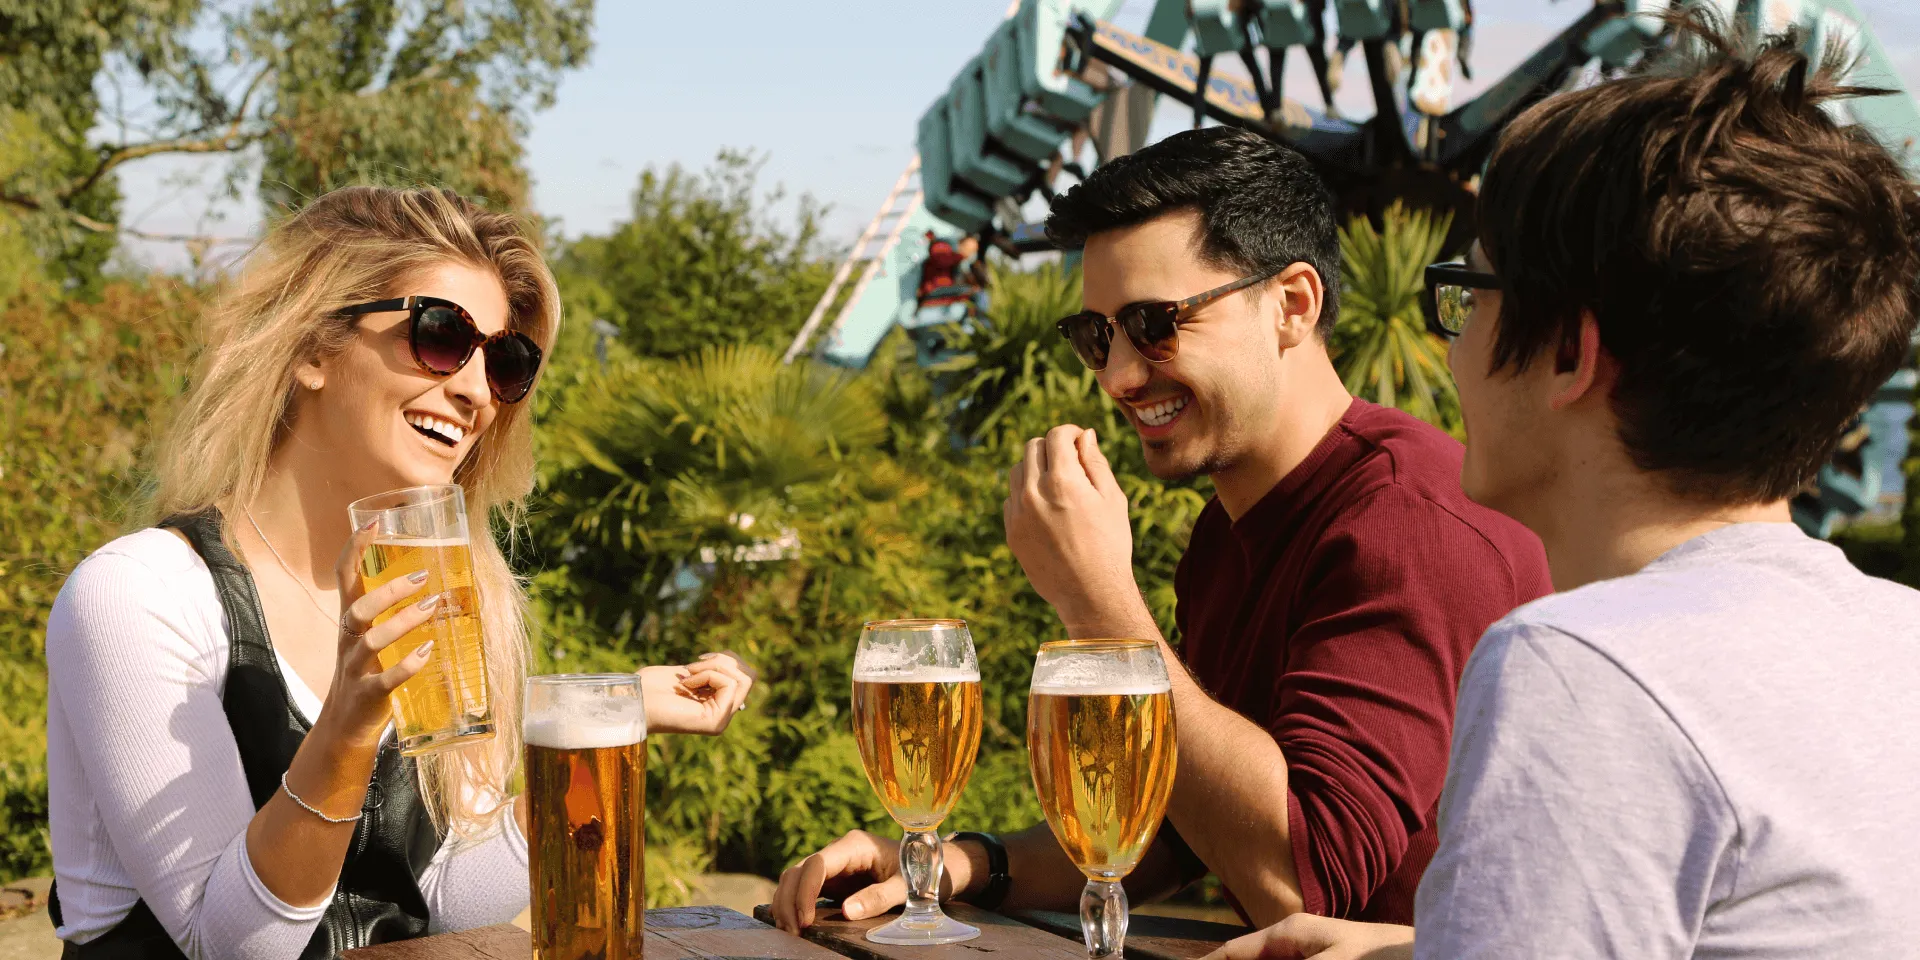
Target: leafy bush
pixel 23 820
pixel 81 383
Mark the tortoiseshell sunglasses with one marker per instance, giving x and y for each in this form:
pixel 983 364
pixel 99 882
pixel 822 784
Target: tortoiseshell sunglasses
pixel 1153 328
pixel 443 336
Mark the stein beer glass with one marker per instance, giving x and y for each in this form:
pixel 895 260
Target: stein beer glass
pixel 1101 742
pixel 425 528
pixel 916 716
pixel 586 770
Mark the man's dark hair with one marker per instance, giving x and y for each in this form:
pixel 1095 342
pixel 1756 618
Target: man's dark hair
pixel 1751 263
pixel 1261 205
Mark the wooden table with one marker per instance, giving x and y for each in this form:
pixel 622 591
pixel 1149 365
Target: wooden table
pixel 683 933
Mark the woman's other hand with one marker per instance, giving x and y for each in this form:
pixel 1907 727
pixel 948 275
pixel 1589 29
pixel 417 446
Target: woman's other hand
pixel 701 697
pixel 357 708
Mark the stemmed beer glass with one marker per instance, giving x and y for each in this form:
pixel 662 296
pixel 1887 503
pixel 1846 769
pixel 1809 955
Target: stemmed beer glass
pixel 916 716
pixel 1100 738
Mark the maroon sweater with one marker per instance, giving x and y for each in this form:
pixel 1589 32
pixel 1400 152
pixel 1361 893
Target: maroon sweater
pixel 1338 614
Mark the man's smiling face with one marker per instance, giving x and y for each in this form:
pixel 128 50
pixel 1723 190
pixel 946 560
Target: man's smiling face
pixel 1202 410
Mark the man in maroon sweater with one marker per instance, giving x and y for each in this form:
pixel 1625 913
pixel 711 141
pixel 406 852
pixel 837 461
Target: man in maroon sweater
pixel 1331 590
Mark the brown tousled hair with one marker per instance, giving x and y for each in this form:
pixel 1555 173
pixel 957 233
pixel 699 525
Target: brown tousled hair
pixel 350 246
pixel 1751 261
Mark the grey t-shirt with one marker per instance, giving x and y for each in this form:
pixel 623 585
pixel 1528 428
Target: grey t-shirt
pixel 1718 756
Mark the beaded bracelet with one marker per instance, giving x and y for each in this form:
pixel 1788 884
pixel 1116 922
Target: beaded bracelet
pixel 309 807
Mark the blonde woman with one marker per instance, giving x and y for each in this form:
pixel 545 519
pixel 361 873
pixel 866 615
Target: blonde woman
pixel 223 777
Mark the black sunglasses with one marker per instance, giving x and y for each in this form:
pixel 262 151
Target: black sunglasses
pixel 443 336
pixel 1449 298
pixel 1153 328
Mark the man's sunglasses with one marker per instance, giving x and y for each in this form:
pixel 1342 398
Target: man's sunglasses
pixel 443 336
pixel 1153 328
pixel 1449 299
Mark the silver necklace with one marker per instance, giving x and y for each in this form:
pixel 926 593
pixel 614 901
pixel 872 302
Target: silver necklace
pixel 312 597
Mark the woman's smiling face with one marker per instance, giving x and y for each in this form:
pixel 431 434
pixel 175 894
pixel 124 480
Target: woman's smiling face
pixel 383 419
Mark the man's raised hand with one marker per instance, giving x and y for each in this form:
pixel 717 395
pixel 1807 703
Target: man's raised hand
pixel 1067 524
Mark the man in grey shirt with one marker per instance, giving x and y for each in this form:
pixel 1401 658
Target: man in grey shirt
pixel 1708 743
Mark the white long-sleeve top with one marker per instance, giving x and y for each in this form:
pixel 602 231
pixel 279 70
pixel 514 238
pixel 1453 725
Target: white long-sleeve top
pixel 147 796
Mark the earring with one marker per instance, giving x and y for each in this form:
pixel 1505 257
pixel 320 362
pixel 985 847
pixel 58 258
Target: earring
pixel 310 384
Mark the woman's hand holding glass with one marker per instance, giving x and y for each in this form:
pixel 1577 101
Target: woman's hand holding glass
pixel 297 854
pixel 358 707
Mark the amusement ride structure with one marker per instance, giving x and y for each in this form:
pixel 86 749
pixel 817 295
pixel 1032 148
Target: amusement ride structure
pixel 1057 81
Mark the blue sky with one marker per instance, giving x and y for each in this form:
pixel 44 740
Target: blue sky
pixel 830 98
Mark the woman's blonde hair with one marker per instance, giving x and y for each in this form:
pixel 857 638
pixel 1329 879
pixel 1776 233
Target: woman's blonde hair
pixel 353 246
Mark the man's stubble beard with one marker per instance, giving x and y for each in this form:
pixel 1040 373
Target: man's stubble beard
pixel 1210 463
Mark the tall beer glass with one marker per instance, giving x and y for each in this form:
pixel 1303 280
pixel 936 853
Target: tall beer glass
pixel 916 716
pixel 425 528
pixel 1101 741
pixel 586 737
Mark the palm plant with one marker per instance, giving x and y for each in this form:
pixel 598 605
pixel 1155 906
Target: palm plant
pixel 713 459
pixel 1380 344
pixel 721 499
pixel 1016 372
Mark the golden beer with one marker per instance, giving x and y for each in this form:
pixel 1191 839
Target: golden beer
pixel 919 734
pixel 446 702
pixel 1103 765
pixel 916 717
pixel 587 821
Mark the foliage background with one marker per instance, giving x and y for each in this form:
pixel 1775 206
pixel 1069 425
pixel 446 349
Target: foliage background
pixel 80 382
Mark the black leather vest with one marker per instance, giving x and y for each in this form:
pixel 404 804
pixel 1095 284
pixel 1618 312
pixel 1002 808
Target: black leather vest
pixel 378 898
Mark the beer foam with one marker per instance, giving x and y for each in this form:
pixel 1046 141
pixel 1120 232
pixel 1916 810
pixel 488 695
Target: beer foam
pixel 1077 674
pixel 587 725
pixel 889 673
pixel 914 657
pixel 1097 690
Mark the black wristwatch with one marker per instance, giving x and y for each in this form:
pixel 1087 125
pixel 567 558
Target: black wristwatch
pixel 998 880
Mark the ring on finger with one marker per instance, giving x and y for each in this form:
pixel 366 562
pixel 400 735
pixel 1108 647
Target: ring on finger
pixel 346 627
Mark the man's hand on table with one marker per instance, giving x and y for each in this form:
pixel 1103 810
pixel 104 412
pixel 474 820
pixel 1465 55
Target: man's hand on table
pixel 1066 519
pixel 1304 936
pixel 862 870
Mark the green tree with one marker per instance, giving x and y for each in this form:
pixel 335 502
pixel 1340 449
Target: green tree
pixel 330 91
pixel 391 90
pixel 702 262
pixel 1380 344
pixel 51 51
